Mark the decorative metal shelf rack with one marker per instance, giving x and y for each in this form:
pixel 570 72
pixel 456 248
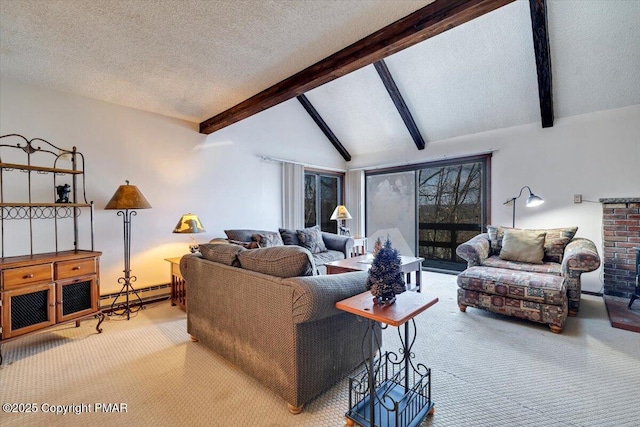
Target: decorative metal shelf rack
pixel 44 289
pixel 31 210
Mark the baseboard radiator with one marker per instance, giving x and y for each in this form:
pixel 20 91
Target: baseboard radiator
pixel 148 295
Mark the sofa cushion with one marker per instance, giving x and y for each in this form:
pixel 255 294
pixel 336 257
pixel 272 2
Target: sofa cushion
pixel 321 258
pixel 226 254
pixel 523 246
pixel 311 239
pixel 243 235
pixel 279 261
pixel 554 244
pixel 545 267
pixel 219 241
pixel 289 237
pixel 266 239
pixel 246 245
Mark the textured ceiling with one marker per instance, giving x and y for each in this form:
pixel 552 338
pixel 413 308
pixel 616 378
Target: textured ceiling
pixel 189 59
pixel 193 59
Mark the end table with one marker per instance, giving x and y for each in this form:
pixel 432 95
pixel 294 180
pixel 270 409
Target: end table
pixel 178 284
pixel 359 246
pixel 392 390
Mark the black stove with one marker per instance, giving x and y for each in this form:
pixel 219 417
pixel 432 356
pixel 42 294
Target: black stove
pixel 636 293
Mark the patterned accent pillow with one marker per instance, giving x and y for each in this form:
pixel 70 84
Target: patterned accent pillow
pixel 226 254
pixel 289 237
pixel 555 242
pixel 311 238
pixel 496 233
pixel 279 261
pixel 267 239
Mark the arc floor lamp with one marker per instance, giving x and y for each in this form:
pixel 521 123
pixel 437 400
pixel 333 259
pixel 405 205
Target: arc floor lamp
pixel 126 199
pixel 532 201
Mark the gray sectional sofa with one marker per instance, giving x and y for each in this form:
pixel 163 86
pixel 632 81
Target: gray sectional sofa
pixel 267 312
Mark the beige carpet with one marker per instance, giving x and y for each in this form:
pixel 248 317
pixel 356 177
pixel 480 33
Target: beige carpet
pixel 487 370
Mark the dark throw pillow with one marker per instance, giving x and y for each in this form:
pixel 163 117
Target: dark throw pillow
pixel 289 237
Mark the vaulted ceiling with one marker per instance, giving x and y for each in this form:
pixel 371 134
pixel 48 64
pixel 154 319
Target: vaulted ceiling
pixel 195 59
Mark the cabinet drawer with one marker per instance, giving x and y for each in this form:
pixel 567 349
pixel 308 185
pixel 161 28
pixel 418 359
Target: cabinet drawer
pixel 15 277
pixel 75 268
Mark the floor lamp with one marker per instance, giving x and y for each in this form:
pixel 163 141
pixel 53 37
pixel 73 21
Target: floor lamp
pixel 125 199
pixel 532 201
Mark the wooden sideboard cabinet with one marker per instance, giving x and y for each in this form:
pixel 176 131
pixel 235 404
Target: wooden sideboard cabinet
pixel 43 290
pixel 43 185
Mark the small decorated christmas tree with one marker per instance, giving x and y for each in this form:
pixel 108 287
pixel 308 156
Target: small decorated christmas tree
pixel 377 246
pixel 385 279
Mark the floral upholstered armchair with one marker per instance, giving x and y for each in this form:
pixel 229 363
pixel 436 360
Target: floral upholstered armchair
pixel 532 274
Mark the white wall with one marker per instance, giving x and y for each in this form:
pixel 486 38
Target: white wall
pixel 219 177
pixel 596 155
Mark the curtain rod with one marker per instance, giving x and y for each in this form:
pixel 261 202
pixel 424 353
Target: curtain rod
pixel 436 159
pixel 274 159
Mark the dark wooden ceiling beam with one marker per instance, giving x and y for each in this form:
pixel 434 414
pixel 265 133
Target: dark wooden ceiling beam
pixel 543 59
pixel 425 23
pixel 398 100
pixel 324 127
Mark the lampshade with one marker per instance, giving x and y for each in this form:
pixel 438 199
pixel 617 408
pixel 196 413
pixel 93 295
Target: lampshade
pixel 340 212
pixel 189 223
pixel 533 200
pixel 128 197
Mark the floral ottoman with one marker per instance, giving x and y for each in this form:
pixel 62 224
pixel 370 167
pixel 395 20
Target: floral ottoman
pixel 538 297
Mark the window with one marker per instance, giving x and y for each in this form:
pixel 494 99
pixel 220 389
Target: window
pixel 322 193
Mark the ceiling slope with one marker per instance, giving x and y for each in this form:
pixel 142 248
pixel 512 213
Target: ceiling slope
pixel 431 20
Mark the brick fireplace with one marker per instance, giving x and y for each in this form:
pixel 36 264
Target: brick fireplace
pixel 620 235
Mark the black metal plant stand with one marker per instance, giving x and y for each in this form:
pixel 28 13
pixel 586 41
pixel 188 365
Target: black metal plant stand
pixel 126 307
pixel 391 391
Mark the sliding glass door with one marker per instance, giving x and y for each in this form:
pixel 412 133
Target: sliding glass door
pixel 430 209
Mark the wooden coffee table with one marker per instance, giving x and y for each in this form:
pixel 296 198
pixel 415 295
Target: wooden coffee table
pixel 408 264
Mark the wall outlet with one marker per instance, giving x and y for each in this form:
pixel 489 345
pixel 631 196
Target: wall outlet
pixel 577 198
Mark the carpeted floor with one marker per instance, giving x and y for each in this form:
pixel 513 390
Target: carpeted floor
pixel 487 370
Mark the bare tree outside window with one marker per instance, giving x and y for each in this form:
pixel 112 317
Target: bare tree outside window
pixel 322 193
pixel 450 209
pixel 310 200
